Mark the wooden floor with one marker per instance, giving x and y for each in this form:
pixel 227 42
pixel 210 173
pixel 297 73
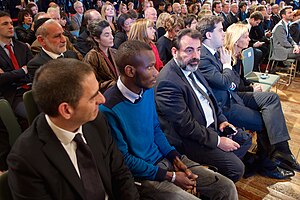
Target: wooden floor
pixel 258 187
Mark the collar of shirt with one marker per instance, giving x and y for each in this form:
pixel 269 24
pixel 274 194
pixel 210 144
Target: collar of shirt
pixel 128 94
pixel 52 55
pixel 64 136
pixel 2 44
pixel 26 26
pixel 211 50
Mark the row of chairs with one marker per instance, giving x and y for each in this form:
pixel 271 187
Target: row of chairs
pixel 14 130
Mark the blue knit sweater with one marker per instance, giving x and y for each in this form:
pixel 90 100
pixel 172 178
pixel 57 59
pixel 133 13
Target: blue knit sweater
pixel 137 132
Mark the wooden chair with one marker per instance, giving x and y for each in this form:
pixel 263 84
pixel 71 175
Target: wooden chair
pixel 10 121
pixel 30 106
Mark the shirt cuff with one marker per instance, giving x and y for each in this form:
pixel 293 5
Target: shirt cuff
pixel 227 66
pixel 218 141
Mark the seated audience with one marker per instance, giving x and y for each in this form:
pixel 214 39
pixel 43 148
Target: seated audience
pixel 124 24
pixel 162 173
pixel 259 107
pixel 284 46
pixel 108 12
pixel 173 25
pixel 68 151
pixel 14 56
pixel 50 36
pixel 143 30
pixel 102 56
pixel 25 29
pixel 190 21
pixel 294 29
pixel 77 17
pixel 160 24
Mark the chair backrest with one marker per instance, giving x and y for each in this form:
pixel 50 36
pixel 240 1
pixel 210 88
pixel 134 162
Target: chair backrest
pixel 248 61
pixel 30 106
pixel 5 192
pixel 10 121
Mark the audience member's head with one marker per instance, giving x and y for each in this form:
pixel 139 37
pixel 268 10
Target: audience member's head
pixel 176 8
pixel 151 14
pixel 108 11
pixel 51 37
pixel 89 16
pixel 124 23
pixel 243 6
pixel 6 27
pixel 234 8
pixel 217 7
pixel 173 25
pixel 54 13
pixel 142 30
pixel 78 7
pixel 60 85
pixel 286 13
pixel 24 17
pixel 123 8
pixel 101 34
pixel 211 30
pixel 296 15
pixel 186 49
pixel 190 21
pixel 255 18
pixel 33 8
pixel 161 19
pixel 226 7
pixel 236 39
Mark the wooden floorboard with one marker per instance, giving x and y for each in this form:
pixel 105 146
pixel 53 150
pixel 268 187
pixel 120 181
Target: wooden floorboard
pixel 258 187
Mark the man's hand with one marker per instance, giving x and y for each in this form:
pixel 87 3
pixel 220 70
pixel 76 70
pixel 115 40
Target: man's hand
pixel 224 124
pixel 25 69
pixel 257 87
pixel 296 49
pixel 180 166
pixel 258 44
pixel 227 144
pixel 183 181
pixel 225 56
pixel 1 71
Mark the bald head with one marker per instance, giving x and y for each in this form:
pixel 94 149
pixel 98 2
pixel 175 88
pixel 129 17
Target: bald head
pixel 151 14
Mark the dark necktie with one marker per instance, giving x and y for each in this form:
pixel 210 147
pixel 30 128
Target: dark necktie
pixel 216 55
pixel 61 56
pixel 206 97
pixel 15 62
pixel 90 177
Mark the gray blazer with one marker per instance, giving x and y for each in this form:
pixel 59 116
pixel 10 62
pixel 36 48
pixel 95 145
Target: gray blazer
pixel 76 21
pixel 282 42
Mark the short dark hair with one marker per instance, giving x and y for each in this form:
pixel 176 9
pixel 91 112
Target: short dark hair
pixel 121 20
pixel 189 32
pixel 189 19
pixel 241 4
pixel 283 10
pixel 256 15
pixel 208 24
pixel 95 29
pixel 215 3
pixel 260 8
pixel 4 14
pixel 128 52
pixel 59 81
pixel 21 15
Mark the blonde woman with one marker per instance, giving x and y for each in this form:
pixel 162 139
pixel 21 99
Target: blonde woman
pixel 237 39
pixel 160 24
pixel 143 30
pixel 108 12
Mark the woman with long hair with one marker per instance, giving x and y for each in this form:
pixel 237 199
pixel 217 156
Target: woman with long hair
pixel 25 31
pixel 108 12
pixel 124 25
pixel 143 30
pixel 101 57
pixel 237 39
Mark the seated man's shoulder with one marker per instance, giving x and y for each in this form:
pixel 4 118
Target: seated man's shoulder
pixel 113 97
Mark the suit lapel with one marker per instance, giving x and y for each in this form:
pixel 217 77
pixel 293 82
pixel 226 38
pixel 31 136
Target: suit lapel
pixel 217 63
pixel 182 76
pixel 6 58
pixel 57 155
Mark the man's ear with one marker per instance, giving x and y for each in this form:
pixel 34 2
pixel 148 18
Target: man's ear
pixel 65 110
pixel 174 52
pixel 208 35
pixel 130 71
pixel 41 40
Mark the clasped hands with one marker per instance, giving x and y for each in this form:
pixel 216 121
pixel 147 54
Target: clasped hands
pixel 185 178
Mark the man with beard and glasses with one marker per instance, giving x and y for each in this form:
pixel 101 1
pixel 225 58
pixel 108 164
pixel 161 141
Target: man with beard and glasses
pixel 189 113
pixel 160 171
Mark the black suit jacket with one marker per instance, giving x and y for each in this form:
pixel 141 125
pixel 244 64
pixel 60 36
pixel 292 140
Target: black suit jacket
pixel 11 78
pixel 218 79
pixel 295 31
pixel 180 113
pixel 40 168
pixel 232 18
pixel 42 58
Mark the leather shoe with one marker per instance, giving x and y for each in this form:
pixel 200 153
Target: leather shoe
pixel 277 173
pixel 286 161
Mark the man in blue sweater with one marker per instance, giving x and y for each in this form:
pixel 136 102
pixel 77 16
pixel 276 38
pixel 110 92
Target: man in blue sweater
pixel 160 171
